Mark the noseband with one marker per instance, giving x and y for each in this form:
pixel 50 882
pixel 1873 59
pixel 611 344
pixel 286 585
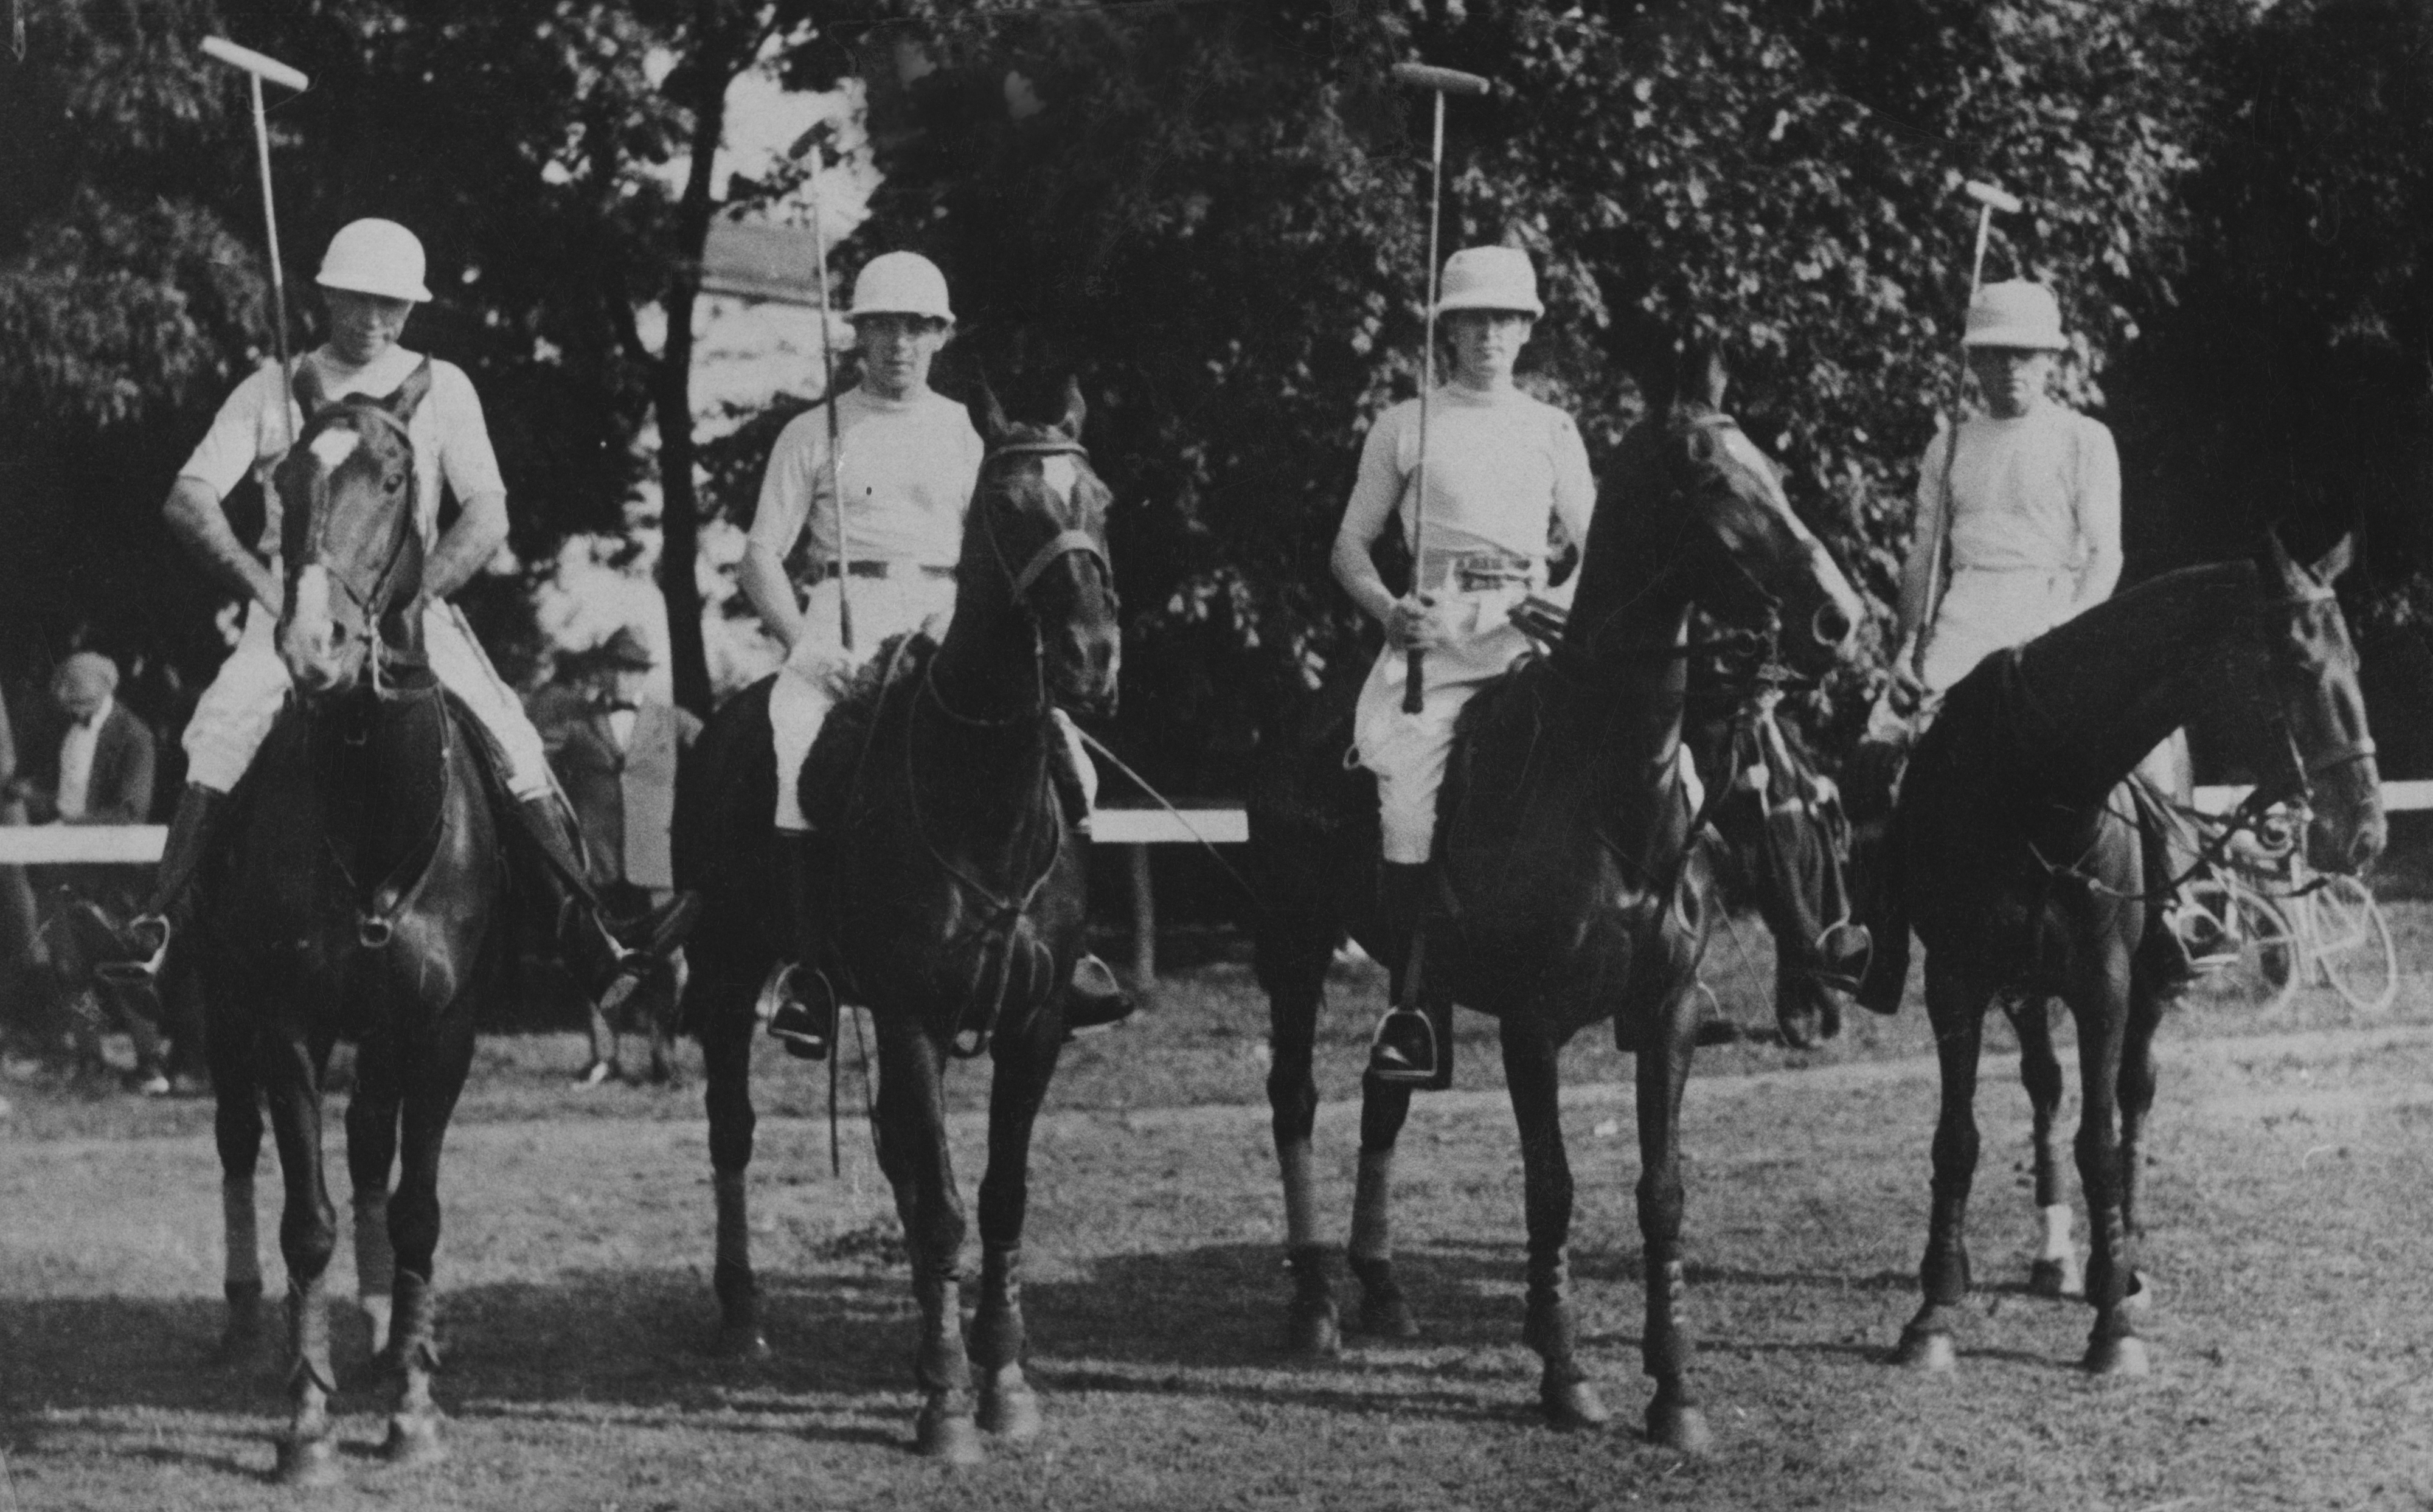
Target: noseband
pixel 1063 543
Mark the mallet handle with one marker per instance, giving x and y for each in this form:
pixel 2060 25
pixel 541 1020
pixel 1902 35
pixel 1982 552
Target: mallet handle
pixel 1415 676
pixel 255 63
pixel 270 231
pixel 835 463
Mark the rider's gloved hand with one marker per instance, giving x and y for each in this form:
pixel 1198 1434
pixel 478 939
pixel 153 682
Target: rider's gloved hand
pixel 1413 624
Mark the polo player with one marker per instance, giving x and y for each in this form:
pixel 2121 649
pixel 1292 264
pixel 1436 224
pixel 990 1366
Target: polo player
pixel 370 281
pixel 2018 529
pixel 1501 467
pixel 907 460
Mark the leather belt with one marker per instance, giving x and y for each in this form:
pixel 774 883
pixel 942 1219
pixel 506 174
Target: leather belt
pixel 875 567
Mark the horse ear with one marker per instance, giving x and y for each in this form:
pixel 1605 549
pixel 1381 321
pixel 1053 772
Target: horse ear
pixel 992 414
pixel 2332 564
pixel 1075 410
pixel 2275 561
pixel 408 396
pixel 1705 374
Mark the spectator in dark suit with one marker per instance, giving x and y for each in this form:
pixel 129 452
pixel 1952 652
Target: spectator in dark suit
pixel 99 771
pixel 615 748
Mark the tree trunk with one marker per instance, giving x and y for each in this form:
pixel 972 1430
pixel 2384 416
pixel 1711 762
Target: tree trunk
pixel 671 379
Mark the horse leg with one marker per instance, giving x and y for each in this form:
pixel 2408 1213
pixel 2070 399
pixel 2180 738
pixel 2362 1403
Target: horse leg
pixel 1529 1070
pixel 1312 1327
pixel 2056 1271
pixel 236 1127
pixel 912 1152
pixel 1024 1067
pixel 2113 1346
pixel 1956 1010
pixel 1673 1418
pixel 371 1150
pixel 1385 1310
pixel 308 1234
pixel 726 1092
pixel 432 1074
pixel 2137 1078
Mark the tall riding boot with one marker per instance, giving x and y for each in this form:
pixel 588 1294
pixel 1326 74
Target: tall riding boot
pixel 805 1017
pixel 1093 998
pixel 1413 1041
pixel 194 834
pixel 604 967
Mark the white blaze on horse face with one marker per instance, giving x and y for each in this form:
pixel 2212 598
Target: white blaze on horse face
pixel 312 600
pixel 336 445
pixel 1061 474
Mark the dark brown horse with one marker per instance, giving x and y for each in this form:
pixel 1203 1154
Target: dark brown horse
pixel 2028 874
pixel 1564 841
pixel 358 897
pixel 960 905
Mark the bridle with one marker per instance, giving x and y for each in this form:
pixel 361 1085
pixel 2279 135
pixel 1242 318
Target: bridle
pixel 367 601
pixel 2295 783
pixel 1063 544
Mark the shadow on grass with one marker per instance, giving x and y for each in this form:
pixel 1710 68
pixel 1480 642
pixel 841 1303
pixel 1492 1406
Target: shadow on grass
pixel 611 1341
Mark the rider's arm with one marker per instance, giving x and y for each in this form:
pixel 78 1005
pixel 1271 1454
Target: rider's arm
pixel 198 522
pixel 476 536
pixel 1408 625
pixel 470 466
pixel 1919 567
pixel 2098 516
pixel 786 491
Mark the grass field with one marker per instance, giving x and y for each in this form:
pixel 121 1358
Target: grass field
pixel 2287 1237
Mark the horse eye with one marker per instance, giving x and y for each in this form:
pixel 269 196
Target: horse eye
pixel 396 481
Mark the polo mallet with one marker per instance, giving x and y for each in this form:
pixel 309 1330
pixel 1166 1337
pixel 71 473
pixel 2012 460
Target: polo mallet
pixel 1989 199
pixel 808 142
pixel 257 68
pixel 1439 82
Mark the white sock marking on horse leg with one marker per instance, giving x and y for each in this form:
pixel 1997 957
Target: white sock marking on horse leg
pixel 1372 1206
pixel 2057 1245
pixel 1300 1195
pixel 375 1266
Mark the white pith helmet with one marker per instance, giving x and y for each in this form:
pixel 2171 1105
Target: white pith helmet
pixel 2017 313
pixel 901 283
pixel 374 256
pixel 1490 278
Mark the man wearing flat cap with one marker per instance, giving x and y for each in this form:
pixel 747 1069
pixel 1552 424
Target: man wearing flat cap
pixel 615 747
pixel 101 770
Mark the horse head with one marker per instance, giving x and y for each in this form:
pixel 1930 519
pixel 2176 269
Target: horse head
pixel 348 535
pixel 1783 823
pixel 1038 537
pixel 1694 513
pixel 2305 701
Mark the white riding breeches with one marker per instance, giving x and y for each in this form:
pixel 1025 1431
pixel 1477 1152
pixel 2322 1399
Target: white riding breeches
pixel 1983 611
pixel 819 668
pixel 238 709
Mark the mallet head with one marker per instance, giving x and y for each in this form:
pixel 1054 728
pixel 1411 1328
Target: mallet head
pixel 1442 80
pixel 255 63
pixel 1993 199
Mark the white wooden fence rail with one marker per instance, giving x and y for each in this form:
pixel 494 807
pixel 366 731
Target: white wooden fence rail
pixel 1135 829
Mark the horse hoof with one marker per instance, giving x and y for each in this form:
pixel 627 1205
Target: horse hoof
pixel 1388 1316
pixel 1683 1429
pixel 307 1462
pixel 1930 1350
pixel 2124 1357
pixel 412 1441
pixel 1314 1332
pixel 1572 1405
pixel 951 1436
pixel 378 1367
pixel 744 1344
pixel 1009 1408
pixel 2056 1278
